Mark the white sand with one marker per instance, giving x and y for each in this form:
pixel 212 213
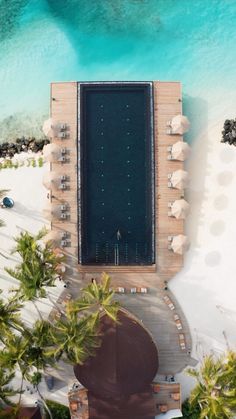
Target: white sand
pixel 206 286
pixel 30 197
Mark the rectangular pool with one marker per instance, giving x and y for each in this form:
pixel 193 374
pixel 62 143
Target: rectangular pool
pixel 115 174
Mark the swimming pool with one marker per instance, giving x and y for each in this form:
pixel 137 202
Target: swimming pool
pixel 115 176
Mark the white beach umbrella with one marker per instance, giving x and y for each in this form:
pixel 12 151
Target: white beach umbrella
pixel 52 211
pixel 180 244
pixel 48 127
pixel 179 124
pixel 180 151
pixel 180 208
pixel 51 152
pixel 51 180
pixel 179 179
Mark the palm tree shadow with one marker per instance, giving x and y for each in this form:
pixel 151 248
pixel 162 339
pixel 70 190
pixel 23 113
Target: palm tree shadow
pixel 24 211
pixel 197 165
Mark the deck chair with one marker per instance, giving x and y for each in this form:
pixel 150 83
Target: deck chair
pixel 133 290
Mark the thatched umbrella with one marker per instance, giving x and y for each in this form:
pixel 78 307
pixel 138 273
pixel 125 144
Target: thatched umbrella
pixel 49 128
pixel 180 208
pixel 51 152
pixel 179 179
pixel 179 124
pixel 180 244
pixel 180 151
pixel 51 180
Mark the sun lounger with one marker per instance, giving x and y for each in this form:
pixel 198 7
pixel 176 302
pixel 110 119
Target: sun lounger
pixel 169 184
pixel 63 207
pixel 133 290
pixel 170 204
pixel 62 134
pixel 170 238
pixel 182 343
pixel 169 157
pixel 143 290
pixel 168 302
pixel 66 299
pixel 62 159
pixel 175 396
pixel 64 243
pixel 63 186
pixel 169 176
pixel 64 216
pixel 61 268
pixel 54 315
pixel 120 290
pixel 156 388
pixel 163 408
pixel 62 126
pixel 169 148
pixel 178 324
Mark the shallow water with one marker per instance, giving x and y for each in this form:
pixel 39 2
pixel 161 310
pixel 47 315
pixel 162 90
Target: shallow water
pixel 51 40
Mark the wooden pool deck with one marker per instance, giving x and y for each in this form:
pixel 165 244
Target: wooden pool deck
pixel 167 103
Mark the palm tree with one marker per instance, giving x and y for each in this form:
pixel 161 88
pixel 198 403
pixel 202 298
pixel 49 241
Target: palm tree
pixel 38 268
pixel 98 298
pixel 10 317
pixel 6 390
pixel 229 369
pixel 27 351
pixel 75 339
pixel 213 392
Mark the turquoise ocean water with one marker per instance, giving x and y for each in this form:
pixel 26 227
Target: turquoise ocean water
pixel 55 40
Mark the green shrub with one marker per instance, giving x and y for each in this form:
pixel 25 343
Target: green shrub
pixel 33 163
pixel 40 162
pixel 190 412
pixel 58 411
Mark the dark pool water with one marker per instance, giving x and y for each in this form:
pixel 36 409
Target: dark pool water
pixel 116 174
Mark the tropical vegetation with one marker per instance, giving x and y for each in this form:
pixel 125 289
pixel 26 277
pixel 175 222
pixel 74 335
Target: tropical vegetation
pixel 2 194
pixel 58 410
pixel 215 392
pixel 229 132
pixel 97 298
pixel 73 338
pixel 38 267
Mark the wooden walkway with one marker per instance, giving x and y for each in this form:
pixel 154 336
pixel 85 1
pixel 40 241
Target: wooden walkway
pixel 167 103
pixel 64 110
